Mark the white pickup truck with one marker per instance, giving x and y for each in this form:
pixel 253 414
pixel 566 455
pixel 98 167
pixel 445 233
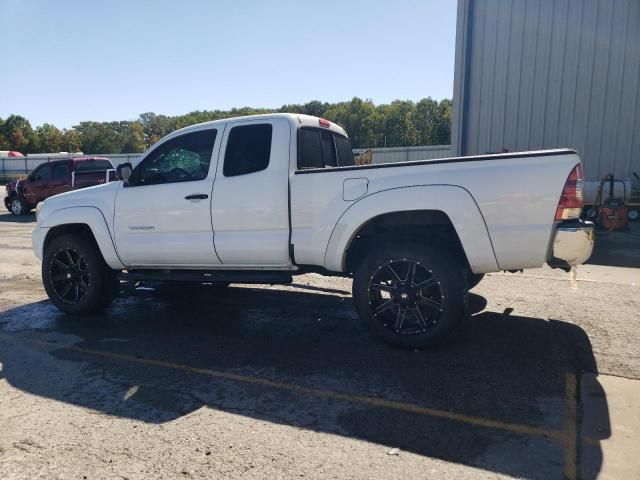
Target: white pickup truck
pixel 259 199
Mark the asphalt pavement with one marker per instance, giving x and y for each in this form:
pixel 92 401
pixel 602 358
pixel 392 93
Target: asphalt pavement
pixel 285 382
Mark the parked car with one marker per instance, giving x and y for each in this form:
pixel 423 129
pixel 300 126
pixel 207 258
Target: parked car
pixel 52 178
pixel 259 199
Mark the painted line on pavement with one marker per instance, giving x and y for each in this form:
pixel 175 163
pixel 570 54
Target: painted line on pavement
pixel 558 436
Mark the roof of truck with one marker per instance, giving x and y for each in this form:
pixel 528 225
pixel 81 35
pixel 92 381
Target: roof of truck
pixel 295 118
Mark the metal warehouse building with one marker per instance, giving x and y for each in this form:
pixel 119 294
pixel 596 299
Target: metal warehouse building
pixel 533 74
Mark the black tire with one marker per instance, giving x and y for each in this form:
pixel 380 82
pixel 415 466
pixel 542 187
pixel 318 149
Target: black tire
pixel 437 289
pixel 473 279
pixel 18 207
pixel 76 277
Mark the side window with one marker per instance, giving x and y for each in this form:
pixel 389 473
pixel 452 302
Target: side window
pixel 345 154
pixel 248 149
pixel 321 148
pixel 182 159
pixel 42 174
pixel 329 150
pixel 60 171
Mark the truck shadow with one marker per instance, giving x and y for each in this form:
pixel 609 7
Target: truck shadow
pixel 10 218
pixel 502 367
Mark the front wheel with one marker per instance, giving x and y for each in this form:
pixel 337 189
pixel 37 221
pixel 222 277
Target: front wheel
pixel 410 295
pixel 75 276
pixel 17 206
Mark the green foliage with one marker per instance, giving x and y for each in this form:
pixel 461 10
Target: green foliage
pixel 18 133
pixel 400 123
pixel 48 138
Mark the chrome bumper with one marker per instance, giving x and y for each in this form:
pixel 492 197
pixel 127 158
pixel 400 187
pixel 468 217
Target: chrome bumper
pixel 572 244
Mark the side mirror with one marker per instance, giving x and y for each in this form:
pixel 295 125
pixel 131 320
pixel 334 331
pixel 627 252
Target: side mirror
pixel 124 171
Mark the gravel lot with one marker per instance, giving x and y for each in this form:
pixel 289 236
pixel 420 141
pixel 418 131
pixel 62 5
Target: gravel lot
pixel 284 382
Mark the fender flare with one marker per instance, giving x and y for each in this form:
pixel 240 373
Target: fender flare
pixel 454 201
pixel 94 219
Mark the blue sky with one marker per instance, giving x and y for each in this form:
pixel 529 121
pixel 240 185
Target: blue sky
pixel 65 61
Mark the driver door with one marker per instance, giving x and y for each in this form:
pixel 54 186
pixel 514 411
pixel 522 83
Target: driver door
pixel 36 187
pixel 163 214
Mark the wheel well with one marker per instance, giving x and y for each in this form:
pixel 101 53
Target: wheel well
pixel 429 226
pixel 70 228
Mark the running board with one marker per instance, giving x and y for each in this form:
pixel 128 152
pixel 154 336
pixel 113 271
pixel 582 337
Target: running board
pixel 207 276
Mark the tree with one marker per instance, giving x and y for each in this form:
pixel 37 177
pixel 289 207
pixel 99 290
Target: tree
pixel 360 119
pixel 48 138
pixel 4 143
pixel 400 123
pixel 18 133
pixel 398 126
pixel 71 140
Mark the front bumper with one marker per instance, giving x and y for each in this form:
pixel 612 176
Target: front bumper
pixel 572 244
pixel 38 236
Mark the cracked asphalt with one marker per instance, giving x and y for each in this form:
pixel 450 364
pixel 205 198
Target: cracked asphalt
pixel 284 381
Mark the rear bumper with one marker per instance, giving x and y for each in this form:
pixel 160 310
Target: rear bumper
pixel 572 244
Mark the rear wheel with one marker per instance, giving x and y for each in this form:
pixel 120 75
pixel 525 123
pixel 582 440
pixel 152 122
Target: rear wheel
pixel 75 276
pixel 410 295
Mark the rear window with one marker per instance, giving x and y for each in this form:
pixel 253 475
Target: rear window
pixel 248 149
pixel 93 166
pixel 345 154
pixel 322 148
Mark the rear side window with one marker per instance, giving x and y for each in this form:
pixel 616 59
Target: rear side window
pixel 93 166
pixel 248 149
pixel 60 172
pixel 321 148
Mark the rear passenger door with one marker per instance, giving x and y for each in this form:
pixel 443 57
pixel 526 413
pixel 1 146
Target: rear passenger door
pixel 250 206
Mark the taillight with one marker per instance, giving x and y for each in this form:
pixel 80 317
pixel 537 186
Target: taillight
pixel 324 123
pixel 570 205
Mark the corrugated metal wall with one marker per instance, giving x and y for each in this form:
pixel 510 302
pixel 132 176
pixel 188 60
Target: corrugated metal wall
pixel 550 73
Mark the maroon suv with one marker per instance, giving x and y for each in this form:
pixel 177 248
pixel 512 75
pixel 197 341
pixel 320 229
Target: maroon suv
pixel 56 177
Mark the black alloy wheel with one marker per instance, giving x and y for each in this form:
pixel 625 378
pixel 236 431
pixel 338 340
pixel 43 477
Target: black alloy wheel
pixel 69 275
pixel 409 294
pixel 405 297
pixel 76 277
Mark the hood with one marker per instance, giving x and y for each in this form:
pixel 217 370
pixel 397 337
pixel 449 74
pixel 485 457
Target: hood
pixel 11 186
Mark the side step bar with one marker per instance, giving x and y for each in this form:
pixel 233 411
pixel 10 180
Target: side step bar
pixel 207 276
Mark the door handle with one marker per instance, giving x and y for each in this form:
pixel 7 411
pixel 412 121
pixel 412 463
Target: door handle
pixel 197 196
